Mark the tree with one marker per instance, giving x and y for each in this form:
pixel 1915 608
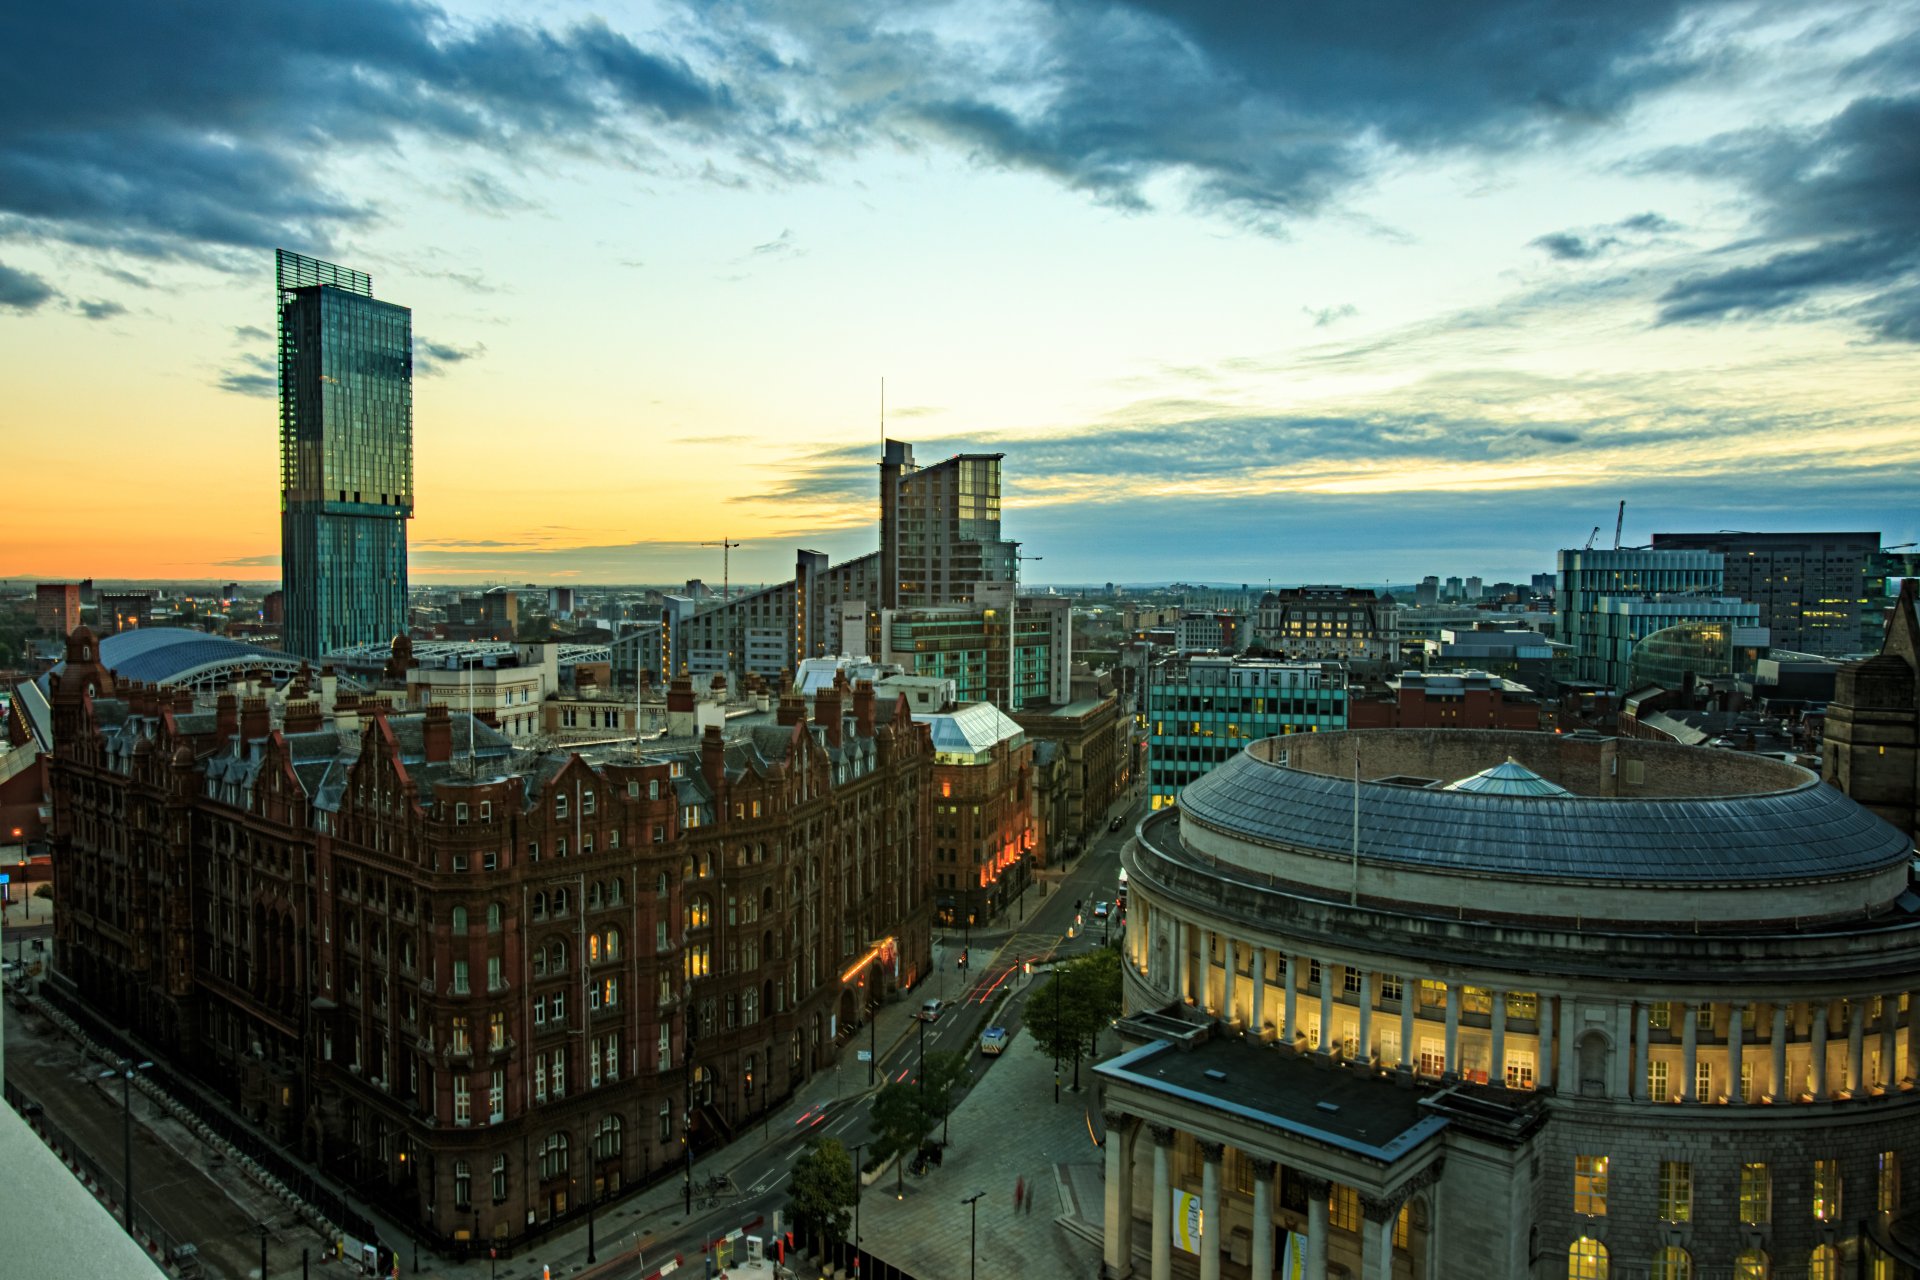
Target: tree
pixel 945 1073
pixel 823 1190
pixel 900 1122
pixel 1066 1016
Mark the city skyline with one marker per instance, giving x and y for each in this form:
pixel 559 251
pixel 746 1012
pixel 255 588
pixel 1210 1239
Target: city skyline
pixel 1239 295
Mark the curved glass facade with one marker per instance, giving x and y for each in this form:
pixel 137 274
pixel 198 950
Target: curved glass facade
pixel 1703 649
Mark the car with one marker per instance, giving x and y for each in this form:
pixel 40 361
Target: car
pixel 1101 910
pixel 1114 825
pixel 993 1041
pixel 932 1009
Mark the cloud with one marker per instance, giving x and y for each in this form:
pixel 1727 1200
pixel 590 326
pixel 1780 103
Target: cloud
pixel 781 246
pixel 1568 246
pixel 187 130
pixel 432 358
pixel 264 385
pixel 265 560
pixel 252 333
pixel 1838 222
pixel 1322 317
pixel 1572 248
pixel 22 290
pixel 100 309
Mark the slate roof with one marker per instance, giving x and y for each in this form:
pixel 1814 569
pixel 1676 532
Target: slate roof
pixel 1808 832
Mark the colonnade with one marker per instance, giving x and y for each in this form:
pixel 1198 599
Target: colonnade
pixel 1686 1050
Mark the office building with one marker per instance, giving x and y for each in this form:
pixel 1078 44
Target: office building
pixel 1202 709
pixel 1329 622
pixel 1527 1031
pixel 1695 650
pixel 485 992
pixel 1212 631
pixel 123 610
pixel 1014 653
pixel 56 607
pixel 346 456
pixel 1591 578
pixel 1811 587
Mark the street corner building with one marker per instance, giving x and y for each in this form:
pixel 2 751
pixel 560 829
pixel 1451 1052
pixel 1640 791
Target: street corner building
pixel 481 988
pixel 1483 1005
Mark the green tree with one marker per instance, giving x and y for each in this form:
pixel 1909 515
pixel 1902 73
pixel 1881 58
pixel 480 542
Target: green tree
pixel 901 1121
pixel 1066 1016
pixel 946 1074
pixel 822 1192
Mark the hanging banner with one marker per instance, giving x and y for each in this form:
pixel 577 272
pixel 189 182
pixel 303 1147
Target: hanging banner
pixel 1293 1255
pixel 1186 1221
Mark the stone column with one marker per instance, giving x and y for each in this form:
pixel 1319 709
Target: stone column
pixel 1569 1069
pixel 1162 1203
pixel 1260 993
pixel 1690 1051
pixel 1182 968
pixel 1736 1050
pixel 1409 997
pixel 1210 1222
pixel 1856 1045
pixel 1205 986
pixel 1452 1068
pixel 1778 1084
pixel 1817 1015
pixel 1889 1073
pixel 1119 1232
pixel 1326 1007
pixel 1289 1003
pixel 1228 982
pixel 1376 1237
pixel 1913 1036
pixel 1497 1072
pixel 1548 1076
pixel 1262 1268
pixel 1366 1016
pixel 1641 1029
pixel 1318 1189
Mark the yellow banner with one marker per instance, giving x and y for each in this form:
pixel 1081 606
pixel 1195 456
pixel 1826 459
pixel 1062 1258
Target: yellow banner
pixel 1186 1221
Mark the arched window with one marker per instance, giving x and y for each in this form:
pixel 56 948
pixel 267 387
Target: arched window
pixel 1824 1264
pixel 406 951
pixel 607 1139
pixel 554 1159
pixel 559 902
pixel 615 891
pixel 556 957
pixel 539 906
pixel 1673 1263
pixel 596 895
pixel 1751 1265
pixel 495 914
pixel 459 919
pixel 610 943
pixel 1586 1259
pixel 593 948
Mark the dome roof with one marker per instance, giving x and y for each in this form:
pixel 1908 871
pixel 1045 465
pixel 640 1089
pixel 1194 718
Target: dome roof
pixel 1510 778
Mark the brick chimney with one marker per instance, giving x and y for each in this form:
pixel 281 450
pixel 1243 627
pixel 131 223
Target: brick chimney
pixel 436 731
pixel 713 765
pixel 863 708
pixel 826 712
pixel 346 712
pixel 680 707
pixel 254 720
pixel 793 710
pixel 303 716
pixel 226 716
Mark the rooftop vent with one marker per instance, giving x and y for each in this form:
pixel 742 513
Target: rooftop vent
pixel 1214 1073
pixel 1329 1106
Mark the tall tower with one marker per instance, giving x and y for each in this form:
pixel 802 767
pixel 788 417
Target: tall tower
pixel 346 456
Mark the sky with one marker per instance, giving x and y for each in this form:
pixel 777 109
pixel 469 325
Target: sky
pixel 1244 292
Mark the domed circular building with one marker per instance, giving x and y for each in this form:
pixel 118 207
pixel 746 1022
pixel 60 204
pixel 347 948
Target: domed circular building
pixel 1463 1003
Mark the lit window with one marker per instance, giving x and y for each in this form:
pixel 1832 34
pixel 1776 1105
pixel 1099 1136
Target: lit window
pixel 1343 1208
pixel 1658 1081
pixel 1590 1185
pixel 1887 1166
pixel 1672 1263
pixel 1826 1190
pixel 1750 1265
pixel 1756 1195
pixel 1676 1191
pixel 1824 1264
pixel 1586 1259
pixel 1660 1015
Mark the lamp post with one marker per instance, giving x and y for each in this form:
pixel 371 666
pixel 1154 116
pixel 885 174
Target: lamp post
pixel 591 1197
pixel 873 1043
pixel 263 1250
pixel 856 1197
pixel 973 1227
pixel 125 1072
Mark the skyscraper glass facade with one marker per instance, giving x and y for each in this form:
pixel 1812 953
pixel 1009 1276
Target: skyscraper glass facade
pixel 346 456
pixel 1202 711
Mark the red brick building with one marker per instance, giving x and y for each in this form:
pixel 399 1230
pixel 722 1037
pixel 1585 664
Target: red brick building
pixel 1447 700
pixel 56 607
pixel 483 993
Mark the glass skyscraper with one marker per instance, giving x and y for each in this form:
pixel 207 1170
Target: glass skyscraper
pixel 346 456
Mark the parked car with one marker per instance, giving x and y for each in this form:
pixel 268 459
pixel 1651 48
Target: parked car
pixel 932 1009
pixel 993 1041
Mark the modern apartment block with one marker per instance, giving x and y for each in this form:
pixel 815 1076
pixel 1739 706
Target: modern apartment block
pixel 1811 587
pixel 346 456
pixel 1202 709
pixel 1328 622
pixel 1589 579
pixel 940 546
pixel 56 607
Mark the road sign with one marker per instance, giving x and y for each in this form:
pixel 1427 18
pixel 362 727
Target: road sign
pixel 864 1055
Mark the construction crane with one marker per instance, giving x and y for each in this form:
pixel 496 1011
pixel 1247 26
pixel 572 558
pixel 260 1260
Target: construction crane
pixel 1619 522
pixel 726 579
pixel 1592 538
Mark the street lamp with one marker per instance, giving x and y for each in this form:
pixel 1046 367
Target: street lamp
pixel 973 1252
pixel 591 1197
pixel 125 1072
pixel 263 1250
pixel 856 1198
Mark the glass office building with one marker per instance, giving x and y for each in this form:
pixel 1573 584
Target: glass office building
pixel 1202 710
pixel 346 457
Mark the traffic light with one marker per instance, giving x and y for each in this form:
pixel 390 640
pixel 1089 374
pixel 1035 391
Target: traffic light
pixel 961 963
pixel 1076 905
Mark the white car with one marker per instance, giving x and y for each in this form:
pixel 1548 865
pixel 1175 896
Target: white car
pixel 932 1009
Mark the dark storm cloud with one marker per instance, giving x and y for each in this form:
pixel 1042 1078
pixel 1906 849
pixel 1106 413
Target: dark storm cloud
pixel 1271 110
pixel 22 290
pixel 1839 221
pixel 160 130
pixel 1570 246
